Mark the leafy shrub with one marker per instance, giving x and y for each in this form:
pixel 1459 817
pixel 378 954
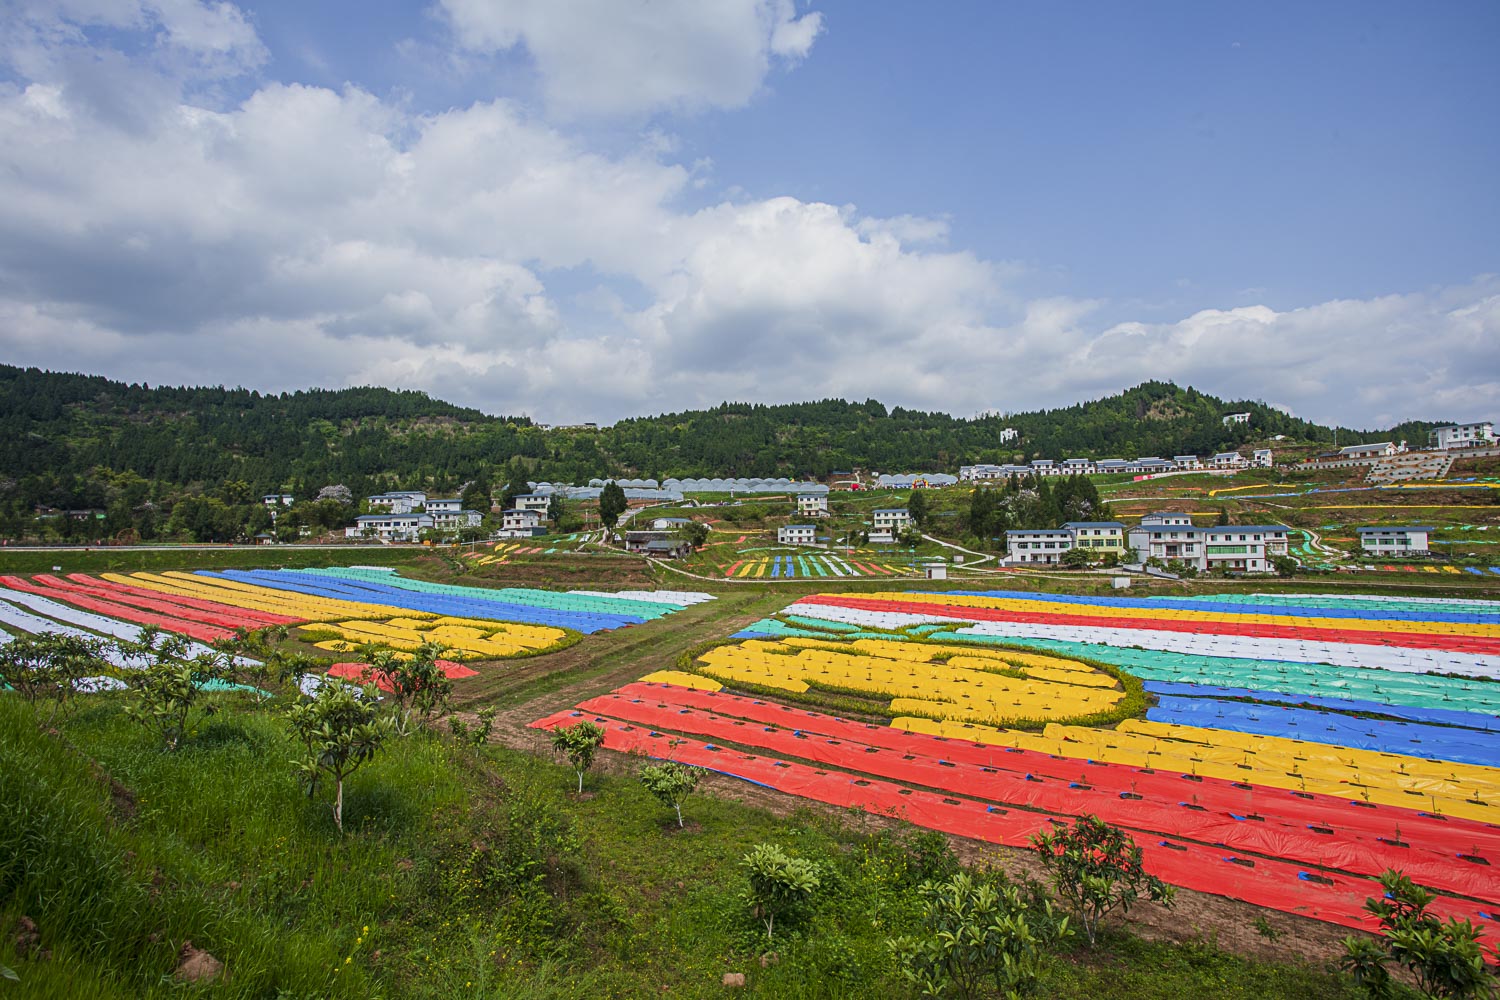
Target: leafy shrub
pixel 48 667
pixel 976 933
pixel 341 730
pixel 671 782
pixel 579 744
pixel 1445 958
pixel 1096 868
pixel 780 885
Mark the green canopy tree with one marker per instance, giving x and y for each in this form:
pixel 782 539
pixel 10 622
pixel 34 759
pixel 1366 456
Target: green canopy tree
pixel 612 504
pixel 341 730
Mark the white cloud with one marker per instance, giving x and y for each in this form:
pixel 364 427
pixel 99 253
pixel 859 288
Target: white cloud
pixel 307 236
pixel 632 56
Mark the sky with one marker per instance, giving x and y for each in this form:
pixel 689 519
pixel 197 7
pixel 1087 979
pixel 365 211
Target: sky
pixel 583 210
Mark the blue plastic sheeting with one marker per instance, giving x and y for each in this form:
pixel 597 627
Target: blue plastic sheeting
pixel 1237 608
pixel 1414 739
pixel 374 593
pixel 1474 569
pixel 1437 716
pixel 568 601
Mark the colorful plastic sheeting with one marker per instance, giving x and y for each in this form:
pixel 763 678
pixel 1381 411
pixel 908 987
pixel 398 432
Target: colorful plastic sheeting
pixel 1289 677
pixel 14 618
pixel 95 623
pixel 363 673
pixel 124 612
pixel 1438 716
pixel 1258 605
pixel 138 595
pixel 1466 746
pixel 206 612
pixel 1335 897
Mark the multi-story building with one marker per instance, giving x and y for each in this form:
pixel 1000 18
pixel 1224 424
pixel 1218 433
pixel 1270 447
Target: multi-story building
pixel 519 523
pixel 395 527
pixel 451 520
pixel 1187 463
pixel 398 502
pixel 1476 435
pixel 1243 548
pixel 1227 460
pixel 796 534
pixel 534 501
pixel 1389 541
pixel 1261 458
pixel 1231 419
pixel 444 505
pixel 1098 536
pixel 812 504
pixel 1045 545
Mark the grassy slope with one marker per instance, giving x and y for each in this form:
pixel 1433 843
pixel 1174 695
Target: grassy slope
pixel 476 874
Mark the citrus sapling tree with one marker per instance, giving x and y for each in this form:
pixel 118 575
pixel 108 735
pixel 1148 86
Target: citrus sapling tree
pixel 418 684
pixel 977 934
pixel 341 730
pixel 1096 869
pixel 47 668
pixel 1444 957
pixel 780 885
pixel 671 782
pixel 167 687
pixel 580 744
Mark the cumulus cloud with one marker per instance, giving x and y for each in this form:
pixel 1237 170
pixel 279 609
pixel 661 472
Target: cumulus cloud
pixel 611 57
pixel 304 236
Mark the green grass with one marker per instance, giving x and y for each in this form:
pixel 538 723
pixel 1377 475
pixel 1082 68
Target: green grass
pixel 476 873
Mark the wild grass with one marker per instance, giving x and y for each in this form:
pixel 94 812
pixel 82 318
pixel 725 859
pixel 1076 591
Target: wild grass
pixel 464 873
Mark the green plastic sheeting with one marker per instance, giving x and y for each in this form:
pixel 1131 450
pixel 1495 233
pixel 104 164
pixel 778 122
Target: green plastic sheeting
pixel 1422 606
pixel 821 625
pixel 1417 690
pixel 515 595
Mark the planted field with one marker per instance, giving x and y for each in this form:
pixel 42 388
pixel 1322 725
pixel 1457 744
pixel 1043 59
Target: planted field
pixel 814 565
pixel 1276 749
pixel 340 611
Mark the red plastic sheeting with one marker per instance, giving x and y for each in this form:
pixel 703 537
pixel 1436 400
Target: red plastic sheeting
pixel 1343 815
pixel 1195 819
pixel 229 617
pixel 263 617
pixel 123 612
pixel 1411 640
pixel 1272 884
pixel 358 671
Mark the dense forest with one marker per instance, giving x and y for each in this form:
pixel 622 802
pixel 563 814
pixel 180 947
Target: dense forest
pixel 133 452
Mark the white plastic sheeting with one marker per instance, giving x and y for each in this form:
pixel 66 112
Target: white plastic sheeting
pixel 679 598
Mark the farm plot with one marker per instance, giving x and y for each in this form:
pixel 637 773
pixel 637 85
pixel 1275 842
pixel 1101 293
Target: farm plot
pixel 814 565
pixel 1279 750
pixel 339 611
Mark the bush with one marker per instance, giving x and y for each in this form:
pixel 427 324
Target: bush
pixel 978 932
pixel 1096 868
pixel 48 667
pixel 341 730
pixel 1446 959
pixel 579 744
pixel 671 782
pixel 779 885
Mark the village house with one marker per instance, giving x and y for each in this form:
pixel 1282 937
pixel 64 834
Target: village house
pixel 812 504
pixel 394 527
pixel 1098 536
pixel 1039 545
pixel 796 534
pixel 1476 435
pixel 518 523
pixel 1407 540
pixel 398 502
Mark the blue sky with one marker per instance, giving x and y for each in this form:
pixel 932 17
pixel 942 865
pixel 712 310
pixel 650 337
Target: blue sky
pixel 593 209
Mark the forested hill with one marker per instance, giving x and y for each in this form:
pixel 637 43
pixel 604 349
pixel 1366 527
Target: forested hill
pixel 60 431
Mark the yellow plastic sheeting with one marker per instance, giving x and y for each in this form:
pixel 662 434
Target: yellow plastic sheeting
pixel 461 642
pixel 248 595
pixel 1464 800
pixel 680 678
pixel 952 689
pixel 1173 614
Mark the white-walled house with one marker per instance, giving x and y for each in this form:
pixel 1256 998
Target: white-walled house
pixel 1262 458
pixel 534 501
pixel 1078 466
pixel 812 504
pixel 1187 463
pixel 1395 541
pixel 1476 435
pixel 449 520
pixel 670 523
pixel 519 523
pixel 1037 545
pixel 402 527
pixel 444 505
pixel 398 502
pixel 1379 449
pixel 1009 434
pixel 1243 548
pixel 1097 536
pixel 1227 460
pixel 1236 418
pixel 277 499
pixel 1166 518
pixel 796 534
pixel 892 518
